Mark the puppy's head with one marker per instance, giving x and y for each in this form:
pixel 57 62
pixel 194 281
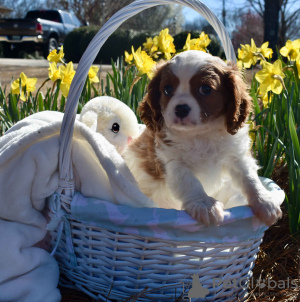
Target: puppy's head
pixel 192 90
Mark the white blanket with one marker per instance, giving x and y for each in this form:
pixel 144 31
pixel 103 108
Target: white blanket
pixel 28 175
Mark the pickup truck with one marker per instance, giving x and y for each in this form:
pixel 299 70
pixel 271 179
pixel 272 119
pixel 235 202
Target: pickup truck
pixel 42 30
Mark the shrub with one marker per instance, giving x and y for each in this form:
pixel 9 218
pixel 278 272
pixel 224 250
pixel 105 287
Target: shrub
pixel 77 41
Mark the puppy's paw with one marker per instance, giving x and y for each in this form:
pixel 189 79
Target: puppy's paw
pixel 208 211
pixel 265 209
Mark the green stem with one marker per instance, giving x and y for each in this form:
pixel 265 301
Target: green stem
pixel 279 78
pixel 258 54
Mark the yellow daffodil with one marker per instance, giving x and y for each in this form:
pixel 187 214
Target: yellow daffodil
pixel 298 63
pixel 143 62
pixel 187 45
pixel 56 57
pixel 266 99
pixel 150 46
pixel 128 57
pixel 93 74
pixel 54 73
pixel 27 85
pixel 247 54
pixel 252 133
pixel 204 40
pixel 240 53
pixel 192 44
pixel 200 43
pixel 291 49
pixel 164 43
pixel 67 74
pixel 240 64
pixel 265 51
pixel 271 77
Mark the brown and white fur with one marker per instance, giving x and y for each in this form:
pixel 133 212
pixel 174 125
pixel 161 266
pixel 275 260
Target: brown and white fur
pixel 195 140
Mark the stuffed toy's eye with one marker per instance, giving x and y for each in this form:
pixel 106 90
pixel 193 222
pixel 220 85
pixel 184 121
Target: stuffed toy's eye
pixel 168 90
pixel 205 90
pixel 115 128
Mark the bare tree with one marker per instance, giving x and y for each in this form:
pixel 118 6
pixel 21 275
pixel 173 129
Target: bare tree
pixel 156 18
pixel 96 12
pixel 289 21
pixel 280 16
pixel 21 7
pixel 251 26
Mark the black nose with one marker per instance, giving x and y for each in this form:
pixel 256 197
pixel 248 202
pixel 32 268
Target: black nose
pixel 182 111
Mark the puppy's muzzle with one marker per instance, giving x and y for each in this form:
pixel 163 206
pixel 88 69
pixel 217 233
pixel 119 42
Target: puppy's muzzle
pixel 182 111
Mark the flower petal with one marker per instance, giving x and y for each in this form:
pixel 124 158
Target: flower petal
pixel 277 68
pixel 277 86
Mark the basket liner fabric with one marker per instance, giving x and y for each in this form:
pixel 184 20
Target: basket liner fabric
pixel 171 224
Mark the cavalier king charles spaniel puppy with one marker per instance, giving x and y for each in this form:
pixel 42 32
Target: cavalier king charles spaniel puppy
pixel 195 140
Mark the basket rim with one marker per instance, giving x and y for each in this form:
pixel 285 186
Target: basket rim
pixel 239 222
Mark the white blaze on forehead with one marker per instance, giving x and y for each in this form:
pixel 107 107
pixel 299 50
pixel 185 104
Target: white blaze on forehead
pixel 187 63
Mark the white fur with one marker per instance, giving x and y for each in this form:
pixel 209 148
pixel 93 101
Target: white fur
pixel 101 113
pixel 204 160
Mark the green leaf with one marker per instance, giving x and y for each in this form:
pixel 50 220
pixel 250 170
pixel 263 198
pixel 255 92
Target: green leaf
pixel 40 102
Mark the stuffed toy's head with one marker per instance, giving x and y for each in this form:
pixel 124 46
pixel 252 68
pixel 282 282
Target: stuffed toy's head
pixel 113 119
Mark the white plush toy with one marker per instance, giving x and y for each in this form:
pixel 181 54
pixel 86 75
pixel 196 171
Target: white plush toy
pixel 113 119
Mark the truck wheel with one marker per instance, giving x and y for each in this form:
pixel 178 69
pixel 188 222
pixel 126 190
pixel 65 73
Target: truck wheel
pixel 51 45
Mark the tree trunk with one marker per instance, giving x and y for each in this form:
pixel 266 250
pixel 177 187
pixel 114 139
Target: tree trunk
pixel 271 23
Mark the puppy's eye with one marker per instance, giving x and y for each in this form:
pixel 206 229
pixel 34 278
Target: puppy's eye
pixel 168 90
pixel 205 90
pixel 115 128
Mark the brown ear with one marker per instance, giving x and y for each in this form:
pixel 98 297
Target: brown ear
pixel 238 103
pixel 149 107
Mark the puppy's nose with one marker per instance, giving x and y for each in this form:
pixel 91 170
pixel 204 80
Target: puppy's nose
pixel 182 111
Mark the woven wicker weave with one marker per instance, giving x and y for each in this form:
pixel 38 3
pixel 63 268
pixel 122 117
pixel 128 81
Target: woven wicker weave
pixel 119 265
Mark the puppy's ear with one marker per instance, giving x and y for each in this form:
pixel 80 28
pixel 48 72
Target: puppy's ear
pixel 238 101
pixel 150 108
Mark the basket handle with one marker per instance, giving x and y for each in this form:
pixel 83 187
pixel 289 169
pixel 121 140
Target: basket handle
pixel 87 59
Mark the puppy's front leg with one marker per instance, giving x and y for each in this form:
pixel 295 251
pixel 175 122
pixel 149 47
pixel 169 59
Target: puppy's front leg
pixel 244 174
pixel 187 188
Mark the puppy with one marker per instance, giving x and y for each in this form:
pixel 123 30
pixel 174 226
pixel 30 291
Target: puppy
pixel 196 141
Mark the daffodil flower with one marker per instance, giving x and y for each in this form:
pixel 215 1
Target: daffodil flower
pixel 93 74
pixel 164 43
pixel 298 63
pixel 247 54
pixel 200 43
pixel 150 46
pixel 271 77
pixel 240 65
pixel 128 57
pixel 188 44
pixel 54 73
pixel 192 44
pixel 265 98
pixel 56 57
pixel 252 134
pixel 265 51
pixel 204 40
pixel 291 49
pixel 143 62
pixel 67 74
pixel 27 85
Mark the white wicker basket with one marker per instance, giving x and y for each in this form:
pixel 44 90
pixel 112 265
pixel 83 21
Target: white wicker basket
pixel 112 263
